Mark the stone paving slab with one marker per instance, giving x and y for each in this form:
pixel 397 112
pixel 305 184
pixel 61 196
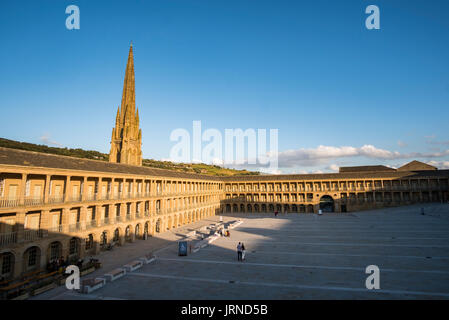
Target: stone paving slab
pixel 301 256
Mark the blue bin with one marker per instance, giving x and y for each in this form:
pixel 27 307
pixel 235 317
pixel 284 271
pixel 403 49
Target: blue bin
pixel 182 248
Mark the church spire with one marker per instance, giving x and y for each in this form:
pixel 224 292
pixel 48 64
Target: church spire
pixel 128 96
pixel 126 142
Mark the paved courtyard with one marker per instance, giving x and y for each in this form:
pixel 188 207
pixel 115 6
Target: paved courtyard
pixel 294 256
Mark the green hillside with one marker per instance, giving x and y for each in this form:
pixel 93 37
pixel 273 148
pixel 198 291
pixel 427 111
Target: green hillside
pixel 95 155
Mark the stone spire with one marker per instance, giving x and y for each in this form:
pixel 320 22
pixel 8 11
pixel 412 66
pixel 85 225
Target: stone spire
pixel 126 141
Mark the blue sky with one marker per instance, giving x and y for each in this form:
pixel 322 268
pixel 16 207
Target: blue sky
pixel 310 69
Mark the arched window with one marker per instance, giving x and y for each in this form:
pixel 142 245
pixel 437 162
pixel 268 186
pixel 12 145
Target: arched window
pixel 89 242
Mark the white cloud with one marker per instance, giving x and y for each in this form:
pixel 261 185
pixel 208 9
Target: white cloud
pixel 439 164
pixel 333 167
pixel 322 154
pixel 45 138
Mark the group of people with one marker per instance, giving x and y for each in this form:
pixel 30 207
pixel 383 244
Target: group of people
pixel 56 264
pixel 241 251
pixel 224 233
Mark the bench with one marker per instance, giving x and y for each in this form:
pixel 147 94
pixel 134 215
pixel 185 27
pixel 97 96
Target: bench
pixel 90 285
pixel 147 259
pixel 115 274
pixel 235 224
pixel 132 266
pixel 212 239
pixel 87 271
pixel 191 234
pixel 43 289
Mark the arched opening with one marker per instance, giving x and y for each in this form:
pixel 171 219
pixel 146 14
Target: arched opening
pixel 89 243
pixel 228 208
pixel 294 208
pixel 158 225
pixel 74 249
pixel 137 231
pixel 146 230
pixel 235 208
pixel 7 260
pixel 104 240
pixel 116 237
pixel 271 208
pixel 248 208
pixel 264 208
pixel 54 251
pixel 128 234
pixel 256 208
pixel 31 259
pixel 242 208
pixel 327 204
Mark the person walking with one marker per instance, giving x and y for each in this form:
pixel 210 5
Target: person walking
pixel 243 251
pixel 239 252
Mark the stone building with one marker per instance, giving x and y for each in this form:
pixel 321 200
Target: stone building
pixel 53 206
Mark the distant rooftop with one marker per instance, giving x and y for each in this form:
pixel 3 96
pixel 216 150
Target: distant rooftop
pixel 366 169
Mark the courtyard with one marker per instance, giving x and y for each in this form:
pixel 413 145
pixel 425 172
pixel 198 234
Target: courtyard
pixel 290 257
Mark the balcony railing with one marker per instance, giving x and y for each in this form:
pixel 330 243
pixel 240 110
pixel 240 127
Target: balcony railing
pixel 55 229
pixel 31 235
pixel 33 201
pixel 75 227
pixel 8 238
pixel 11 202
pixel 56 199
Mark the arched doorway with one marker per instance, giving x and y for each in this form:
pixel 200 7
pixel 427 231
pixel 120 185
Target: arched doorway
pixel 54 251
pixel 327 204
pixel 7 260
pixel 158 225
pixel 74 249
pixel 116 235
pixel 137 231
pixel 31 259
pixel 104 240
pixel 146 230
pixel 128 234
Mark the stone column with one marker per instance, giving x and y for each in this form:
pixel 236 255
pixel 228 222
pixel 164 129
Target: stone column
pixel 84 188
pixel 65 220
pixel 67 189
pixel 83 216
pixel 23 188
pixel 47 190
pixel 20 226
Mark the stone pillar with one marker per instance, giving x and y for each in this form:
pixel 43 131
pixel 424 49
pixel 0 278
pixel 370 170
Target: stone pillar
pixel 20 227
pixel 23 188
pixel 84 188
pixel 83 216
pixel 65 220
pixel 67 189
pixel 47 190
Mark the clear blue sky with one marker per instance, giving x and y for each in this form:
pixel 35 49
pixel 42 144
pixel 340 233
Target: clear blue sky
pixel 308 68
